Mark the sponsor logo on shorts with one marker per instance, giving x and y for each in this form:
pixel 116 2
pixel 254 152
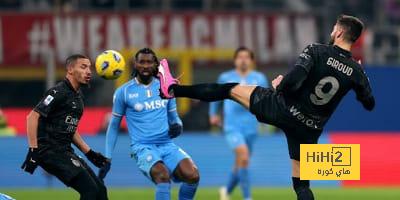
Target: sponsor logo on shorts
pixel 76 162
pixel 149 158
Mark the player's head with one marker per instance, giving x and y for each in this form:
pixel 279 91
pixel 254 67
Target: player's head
pixel 78 69
pixel 347 29
pixel 243 58
pixel 145 64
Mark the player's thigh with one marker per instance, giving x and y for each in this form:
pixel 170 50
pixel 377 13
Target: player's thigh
pixel 250 141
pixel 187 171
pixel 92 174
pixel 63 165
pixel 160 173
pixel 295 168
pixel 173 155
pixel 235 139
pixel 297 136
pixel 146 156
pixel 242 94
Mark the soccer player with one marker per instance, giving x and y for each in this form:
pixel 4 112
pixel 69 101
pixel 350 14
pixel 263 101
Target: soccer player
pixel 301 102
pixel 152 123
pixel 51 128
pixel 239 125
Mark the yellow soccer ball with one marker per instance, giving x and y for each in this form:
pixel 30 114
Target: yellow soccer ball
pixel 110 64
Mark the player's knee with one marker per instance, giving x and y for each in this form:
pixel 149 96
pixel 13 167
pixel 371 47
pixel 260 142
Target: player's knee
pixel 193 177
pixel 90 194
pixel 102 193
pixel 160 173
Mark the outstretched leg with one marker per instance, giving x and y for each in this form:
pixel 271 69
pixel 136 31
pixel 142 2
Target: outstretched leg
pixel 301 187
pixel 205 92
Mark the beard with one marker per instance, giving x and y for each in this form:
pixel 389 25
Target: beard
pixel 331 41
pixel 145 79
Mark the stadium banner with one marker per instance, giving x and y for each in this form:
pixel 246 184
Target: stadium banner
pixel 26 39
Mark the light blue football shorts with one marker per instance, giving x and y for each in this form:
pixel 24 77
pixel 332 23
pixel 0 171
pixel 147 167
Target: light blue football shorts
pixel 146 155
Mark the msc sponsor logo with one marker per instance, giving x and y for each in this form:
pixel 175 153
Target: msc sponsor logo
pixel 151 105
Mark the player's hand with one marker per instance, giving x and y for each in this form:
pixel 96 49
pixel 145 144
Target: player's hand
pixel 277 81
pixel 104 170
pixel 96 158
pixel 31 161
pixel 175 130
pixel 216 120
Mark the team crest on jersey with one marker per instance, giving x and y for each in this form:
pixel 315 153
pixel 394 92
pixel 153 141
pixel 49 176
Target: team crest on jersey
pixel 48 100
pixel 138 107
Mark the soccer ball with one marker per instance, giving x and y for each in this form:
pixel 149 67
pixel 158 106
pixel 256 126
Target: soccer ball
pixel 110 64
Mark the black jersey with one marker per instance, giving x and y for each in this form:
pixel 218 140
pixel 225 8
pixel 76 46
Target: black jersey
pixel 323 74
pixel 60 111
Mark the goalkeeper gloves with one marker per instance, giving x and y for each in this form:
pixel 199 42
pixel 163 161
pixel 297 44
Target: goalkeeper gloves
pixel 31 161
pixel 175 130
pixel 96 158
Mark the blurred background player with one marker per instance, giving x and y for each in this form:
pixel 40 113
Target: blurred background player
pixel 5 129
pixel 313 88
pixel 152 123
pixel 239 125
pixel 51 128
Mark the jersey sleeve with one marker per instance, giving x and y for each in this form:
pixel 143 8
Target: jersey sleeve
pixel 295 78
pixel 112 135
pixel 49 101
pixel 173 117
pixel 214 106
pixel 119 102
pixel 305 59
pixel 364 93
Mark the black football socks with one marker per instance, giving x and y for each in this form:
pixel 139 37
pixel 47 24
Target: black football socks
pixel 206 92
pixel 302 189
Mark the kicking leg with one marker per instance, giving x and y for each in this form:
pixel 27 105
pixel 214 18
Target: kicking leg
pixel 301 187
pixel 205 92
pixel 189 174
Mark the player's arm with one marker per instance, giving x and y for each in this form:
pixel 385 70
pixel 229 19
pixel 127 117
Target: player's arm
pixel 112 134
pixel 174 121
pixel 32 121
pixel 80 143
pixel 295 78
pixel 215 118
pixel 364 94
pixel 95 157
pixel 118 112
pixel 43 108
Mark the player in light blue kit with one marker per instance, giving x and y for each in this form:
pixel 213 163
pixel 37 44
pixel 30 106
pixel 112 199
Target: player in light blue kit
pixel 239 125
pixel 152 122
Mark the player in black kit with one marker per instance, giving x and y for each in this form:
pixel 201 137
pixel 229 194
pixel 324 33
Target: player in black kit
pixel 51 128
pixel 301 102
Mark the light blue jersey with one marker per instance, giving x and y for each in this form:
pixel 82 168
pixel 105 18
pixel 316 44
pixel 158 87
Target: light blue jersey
pixel 238 119
pixel 147 115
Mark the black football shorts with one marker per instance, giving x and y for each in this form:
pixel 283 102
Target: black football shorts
pixel 269 107
pixel 65 165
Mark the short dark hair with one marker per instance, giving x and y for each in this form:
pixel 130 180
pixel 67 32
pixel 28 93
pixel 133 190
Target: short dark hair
pixel 147 51
pixel 243 48
pixel 352 26
pixel 71 60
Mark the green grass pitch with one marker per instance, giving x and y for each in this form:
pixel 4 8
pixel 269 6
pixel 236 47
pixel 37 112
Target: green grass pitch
pixel 212 193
